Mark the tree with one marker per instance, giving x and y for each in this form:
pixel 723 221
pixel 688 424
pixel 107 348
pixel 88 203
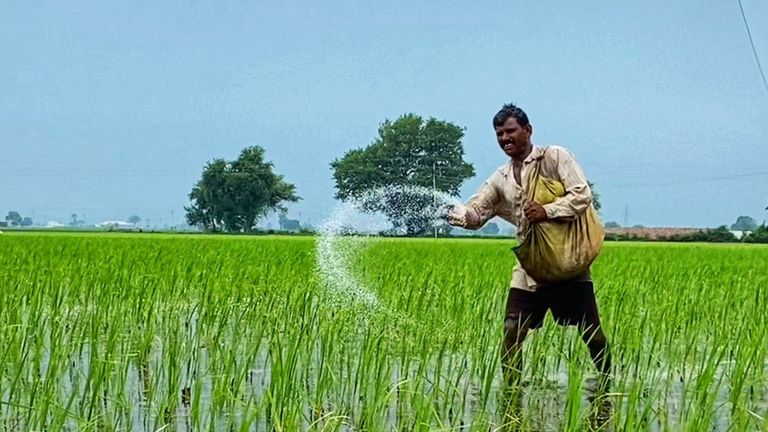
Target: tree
pixel 233 196
pixel 26 222
pixel 595 196
pixel 720 234
pixel 758 235
pixel 207 209
pixel 134 219
pixel 409 151
pixel 13 218
pixel 744 223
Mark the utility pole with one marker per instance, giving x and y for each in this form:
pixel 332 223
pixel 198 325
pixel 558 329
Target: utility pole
pixel 626 215
pixel 434 191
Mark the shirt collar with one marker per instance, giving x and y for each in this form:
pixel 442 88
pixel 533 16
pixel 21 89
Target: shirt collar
pixel 536 153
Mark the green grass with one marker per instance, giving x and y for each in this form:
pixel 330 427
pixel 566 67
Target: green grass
pixel 140 332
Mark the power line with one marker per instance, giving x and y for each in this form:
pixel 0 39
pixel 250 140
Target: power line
pixel 671 182
pixel 751 42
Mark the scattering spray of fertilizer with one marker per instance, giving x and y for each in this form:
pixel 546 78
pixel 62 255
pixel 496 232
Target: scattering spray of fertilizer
pixel 356 224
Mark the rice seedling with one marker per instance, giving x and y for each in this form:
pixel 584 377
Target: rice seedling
pixel 148 332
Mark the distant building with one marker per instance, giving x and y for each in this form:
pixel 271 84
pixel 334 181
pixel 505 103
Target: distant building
pixel 739 234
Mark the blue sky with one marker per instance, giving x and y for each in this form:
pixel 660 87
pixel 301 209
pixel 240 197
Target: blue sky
pixel 112 108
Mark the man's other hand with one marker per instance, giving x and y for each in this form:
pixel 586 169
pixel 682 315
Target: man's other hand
pixel 534 212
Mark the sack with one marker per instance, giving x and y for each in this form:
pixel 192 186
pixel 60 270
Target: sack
pixel 560 249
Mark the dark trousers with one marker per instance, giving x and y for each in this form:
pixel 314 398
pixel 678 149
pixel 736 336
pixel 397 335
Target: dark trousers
pixel 571 303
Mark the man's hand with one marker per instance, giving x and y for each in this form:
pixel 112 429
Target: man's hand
pixel 534 212
pixel 454 215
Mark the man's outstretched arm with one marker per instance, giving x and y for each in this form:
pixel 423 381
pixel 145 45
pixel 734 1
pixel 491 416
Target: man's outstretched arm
pixel 480 208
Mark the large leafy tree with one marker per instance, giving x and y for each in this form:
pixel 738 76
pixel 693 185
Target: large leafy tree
pixel 13 218
pixel 595 196
pixel 744 223
pixel 233 196
pixel 409 151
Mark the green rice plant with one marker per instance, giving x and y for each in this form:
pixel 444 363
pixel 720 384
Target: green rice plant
pixel 144 332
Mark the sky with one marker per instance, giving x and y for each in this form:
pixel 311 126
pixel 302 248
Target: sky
pixel 109 109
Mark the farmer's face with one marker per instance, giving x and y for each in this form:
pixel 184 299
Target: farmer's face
pixel 514 140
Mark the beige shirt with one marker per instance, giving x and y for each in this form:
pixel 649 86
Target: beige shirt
pixel 501 196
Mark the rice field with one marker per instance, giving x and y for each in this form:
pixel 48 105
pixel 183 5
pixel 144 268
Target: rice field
pixel 153 332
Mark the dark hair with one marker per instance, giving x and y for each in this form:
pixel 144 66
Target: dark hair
pixel 507 111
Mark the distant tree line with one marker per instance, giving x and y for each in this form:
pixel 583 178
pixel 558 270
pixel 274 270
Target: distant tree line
pixel 721 234
pixel 233 196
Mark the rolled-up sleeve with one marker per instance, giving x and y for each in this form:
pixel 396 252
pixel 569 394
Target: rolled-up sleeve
pixel 481 206
pixel 578 195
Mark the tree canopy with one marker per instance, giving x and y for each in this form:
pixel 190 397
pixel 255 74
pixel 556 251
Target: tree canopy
pixel 13 218
pixel 409 151
pixel 234 195
pixel 595 196
pixel 744 223
pixel 758 235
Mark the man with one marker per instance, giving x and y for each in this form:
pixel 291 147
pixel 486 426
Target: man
pixel 503 194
